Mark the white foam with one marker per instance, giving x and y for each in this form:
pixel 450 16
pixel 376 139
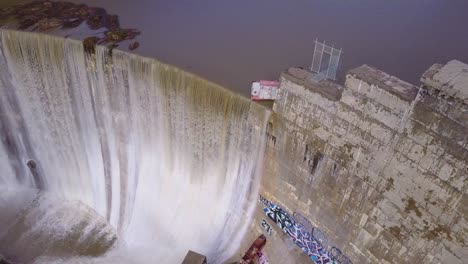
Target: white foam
pixel 170 160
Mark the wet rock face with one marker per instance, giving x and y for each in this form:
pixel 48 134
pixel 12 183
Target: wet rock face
pixel 44 16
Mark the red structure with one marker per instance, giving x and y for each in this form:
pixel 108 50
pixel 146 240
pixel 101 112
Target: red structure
pixel 256 247
pixel 264 90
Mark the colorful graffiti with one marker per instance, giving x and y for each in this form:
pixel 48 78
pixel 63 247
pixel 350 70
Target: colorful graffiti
pixel 303 221
pixel 320 237
pixel 266 226
pixel 317 234
pixel 278 216
pixel 310 245
pixel 264 201
pixel 310 239
pixel 262 258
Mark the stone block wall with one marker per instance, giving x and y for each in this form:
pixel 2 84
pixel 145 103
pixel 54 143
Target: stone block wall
pixel 379 166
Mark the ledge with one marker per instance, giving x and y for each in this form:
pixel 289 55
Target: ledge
pixel 387 82
pixel 326 88
pixel 450 79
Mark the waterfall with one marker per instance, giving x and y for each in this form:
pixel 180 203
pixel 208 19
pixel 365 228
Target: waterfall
pixel 170 160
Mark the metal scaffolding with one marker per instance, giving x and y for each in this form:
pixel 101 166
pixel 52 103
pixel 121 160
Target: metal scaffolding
pixel 325 61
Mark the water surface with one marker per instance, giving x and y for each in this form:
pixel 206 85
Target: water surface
pixel 235 42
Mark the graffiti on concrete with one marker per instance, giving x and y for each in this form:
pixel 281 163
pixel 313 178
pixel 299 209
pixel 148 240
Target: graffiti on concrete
pixel 310 245
pixel 340 257
pixel 303 221
pixel 309 238
pixel 276 213
pixel 262 258
pixel 316 233
pixel 266 226
pixel 265 201
pixel 320 237
pixel 278 216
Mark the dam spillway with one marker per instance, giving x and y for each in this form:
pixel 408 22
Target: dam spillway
pixel 172 162
pixel 101 150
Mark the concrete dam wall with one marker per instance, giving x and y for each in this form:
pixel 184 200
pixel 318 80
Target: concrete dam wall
pixel 374 171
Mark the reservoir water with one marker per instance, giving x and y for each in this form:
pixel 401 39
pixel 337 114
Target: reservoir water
pixel 235 42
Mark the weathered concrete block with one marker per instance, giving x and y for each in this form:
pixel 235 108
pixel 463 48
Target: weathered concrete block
pixel 371 90
pixel 450 79
pixel 386 82
pixel 370 108
pixel 327 89
pixel 380 168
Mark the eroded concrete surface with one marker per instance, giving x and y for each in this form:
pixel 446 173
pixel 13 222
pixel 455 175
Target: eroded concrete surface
pixel 379 166
pixel 450 79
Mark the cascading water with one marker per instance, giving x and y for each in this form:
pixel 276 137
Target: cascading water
pixel 170 160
